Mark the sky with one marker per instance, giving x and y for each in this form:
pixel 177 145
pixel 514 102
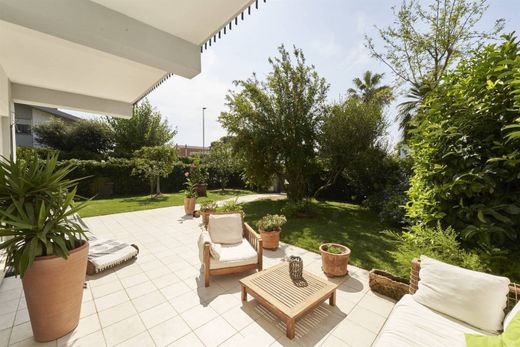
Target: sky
pixel 330 33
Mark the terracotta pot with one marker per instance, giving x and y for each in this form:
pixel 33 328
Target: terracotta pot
pixel 205 217
pixel 53 289
pixel 270 239
pixel 189 205
pixel 334 265
pixel 202 189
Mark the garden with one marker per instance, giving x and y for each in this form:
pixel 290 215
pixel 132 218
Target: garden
pixel 450 189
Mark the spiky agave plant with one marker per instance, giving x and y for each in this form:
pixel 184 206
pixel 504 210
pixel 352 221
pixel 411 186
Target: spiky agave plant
pixel 37 201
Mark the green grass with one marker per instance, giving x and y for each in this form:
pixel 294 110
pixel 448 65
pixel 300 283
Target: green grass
pixel 347 224
pixel 137 203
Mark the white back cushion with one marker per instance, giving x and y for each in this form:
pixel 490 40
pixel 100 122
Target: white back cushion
pixel 225 228
pixel 473 297
pixel 511 314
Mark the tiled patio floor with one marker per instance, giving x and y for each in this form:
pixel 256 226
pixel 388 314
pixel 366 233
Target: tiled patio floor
pixel 160 300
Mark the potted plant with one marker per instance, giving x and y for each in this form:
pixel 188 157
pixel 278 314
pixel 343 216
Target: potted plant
pixel 199 177
pixel 42 243
pixel 269 228
pixel 206 209
pixel 334 259
pixel 190 195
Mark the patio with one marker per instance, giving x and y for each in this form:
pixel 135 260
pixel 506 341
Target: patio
pixel 160 298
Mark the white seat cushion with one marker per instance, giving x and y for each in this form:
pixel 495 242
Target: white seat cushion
pixel 234 255
pixel 412 324
pixel 225 228
pixel 473 297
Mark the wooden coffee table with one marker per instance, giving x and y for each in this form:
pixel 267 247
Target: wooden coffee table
pixel 288 299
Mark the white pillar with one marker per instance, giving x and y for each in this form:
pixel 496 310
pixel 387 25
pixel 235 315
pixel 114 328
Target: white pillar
pixel 6 116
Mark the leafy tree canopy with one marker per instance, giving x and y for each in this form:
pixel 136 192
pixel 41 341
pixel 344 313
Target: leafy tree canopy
pixel 154 163
pixel 222 161
pixel 146 128
pixel 275 122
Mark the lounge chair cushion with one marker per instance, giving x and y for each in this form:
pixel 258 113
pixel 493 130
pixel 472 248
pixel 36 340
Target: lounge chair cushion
pixel 225 228
pixel 473 297
pixel 511 314
pixel 412 324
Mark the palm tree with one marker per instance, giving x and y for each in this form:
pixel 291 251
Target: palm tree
pixel 368 89
pixel 408 109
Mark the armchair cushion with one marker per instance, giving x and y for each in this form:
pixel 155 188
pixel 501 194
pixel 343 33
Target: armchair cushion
pixel 225 228
pixel 473 297
pixel 234 255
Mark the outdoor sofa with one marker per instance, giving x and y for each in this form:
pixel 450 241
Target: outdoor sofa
pixel 445 303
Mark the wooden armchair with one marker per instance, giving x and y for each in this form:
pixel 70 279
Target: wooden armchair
pixel 251 242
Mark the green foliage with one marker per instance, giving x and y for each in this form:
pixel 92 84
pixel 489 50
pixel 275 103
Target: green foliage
pixel 369 90
pixel 275 122
pixel 436 242
pixel 190 190
pixel 271 222
pixel 154 163
pixel 198 173
pixel 298 208
pixel 208 206
pixel 350 140
pixel 85 139
pixel 223 161
pixel 146 128
pixel 230 206
pixel 36 205
pixel 334 250
pixel 465 167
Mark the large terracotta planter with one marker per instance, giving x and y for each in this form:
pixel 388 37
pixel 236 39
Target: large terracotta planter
pixel 202 189
pixel 189 205
pixel 270 239
pixel 53 289
pixel 334 265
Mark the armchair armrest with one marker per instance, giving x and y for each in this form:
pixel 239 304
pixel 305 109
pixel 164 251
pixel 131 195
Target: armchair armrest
pixel 256 241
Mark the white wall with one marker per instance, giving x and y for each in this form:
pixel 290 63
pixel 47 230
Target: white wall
pixel 5 103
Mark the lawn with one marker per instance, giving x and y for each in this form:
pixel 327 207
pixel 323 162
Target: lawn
pixel 348 224
pixel 137 203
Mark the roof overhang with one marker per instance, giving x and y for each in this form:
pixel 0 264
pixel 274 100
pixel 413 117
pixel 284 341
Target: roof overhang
pixel 103 56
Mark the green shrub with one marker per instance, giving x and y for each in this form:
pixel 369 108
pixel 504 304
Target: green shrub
pixel 334 250
pixel 271 222
pixel 209 205
pixel 230 206
pixel 465 166
pixel 435 242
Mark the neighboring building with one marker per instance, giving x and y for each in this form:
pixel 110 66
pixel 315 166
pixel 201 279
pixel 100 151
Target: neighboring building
pixel 186 151
pixel 26 117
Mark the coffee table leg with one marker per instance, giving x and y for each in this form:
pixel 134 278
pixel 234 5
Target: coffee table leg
pixel 290 328
pixel 332 299
pixel 244 293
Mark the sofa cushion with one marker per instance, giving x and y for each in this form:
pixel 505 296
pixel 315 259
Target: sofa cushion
pixel 234 255
pixel 509 338
pixel 473 297
pixel 412 324
pixel 511 314
pixel 225 228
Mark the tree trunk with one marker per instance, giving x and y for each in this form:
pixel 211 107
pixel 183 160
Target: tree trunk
pixel 151 187
pixel 158 185
pixel 332 179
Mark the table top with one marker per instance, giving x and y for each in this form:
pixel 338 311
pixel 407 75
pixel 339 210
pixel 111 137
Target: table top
pixel 291 297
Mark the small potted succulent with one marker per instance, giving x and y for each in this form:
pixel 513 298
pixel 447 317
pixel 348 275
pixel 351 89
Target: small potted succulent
pixel 43 242
pixel 269 228
pixel 190 195
pixel 206 209
pixel 334 259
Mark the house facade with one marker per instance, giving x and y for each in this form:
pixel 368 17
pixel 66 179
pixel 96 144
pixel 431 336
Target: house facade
pixel 27 116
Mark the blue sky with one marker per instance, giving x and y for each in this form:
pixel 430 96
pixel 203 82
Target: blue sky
pixel 331 34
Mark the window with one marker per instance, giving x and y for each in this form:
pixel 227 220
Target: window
pixel 23 126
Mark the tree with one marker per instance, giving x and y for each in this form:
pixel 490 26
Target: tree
pixel 349 136
pixel 369 89
pixel 275 122
pixel 425 41
pixel 222 161
pixel 465 165
pixel 85 139
pixel 154 163
pixel 146 128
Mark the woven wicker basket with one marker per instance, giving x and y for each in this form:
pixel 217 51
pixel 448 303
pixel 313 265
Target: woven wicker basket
pixel 388 285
